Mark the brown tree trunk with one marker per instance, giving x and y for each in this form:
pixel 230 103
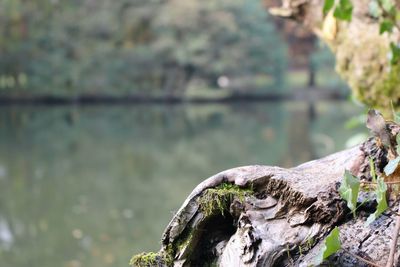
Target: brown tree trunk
pixel 361 52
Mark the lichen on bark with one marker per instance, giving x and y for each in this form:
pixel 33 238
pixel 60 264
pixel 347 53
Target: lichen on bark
pixel 363 60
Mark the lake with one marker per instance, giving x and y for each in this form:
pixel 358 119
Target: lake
pixel 88 186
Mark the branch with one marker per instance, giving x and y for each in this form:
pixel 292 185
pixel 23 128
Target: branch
pixel 389 182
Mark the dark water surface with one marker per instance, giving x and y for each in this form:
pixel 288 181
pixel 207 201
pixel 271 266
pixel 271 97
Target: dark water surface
pixel 90 186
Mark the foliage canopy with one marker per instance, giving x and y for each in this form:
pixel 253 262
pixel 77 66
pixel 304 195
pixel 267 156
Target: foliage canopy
pixel 140 46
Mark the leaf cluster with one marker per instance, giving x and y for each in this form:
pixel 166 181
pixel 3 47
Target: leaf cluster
pixel 343 9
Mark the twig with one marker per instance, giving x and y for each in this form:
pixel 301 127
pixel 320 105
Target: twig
pixel 389 182
pixel 360 258
pixel 393 246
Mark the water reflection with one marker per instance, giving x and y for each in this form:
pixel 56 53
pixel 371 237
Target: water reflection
pixel 6 237
pixel 91 186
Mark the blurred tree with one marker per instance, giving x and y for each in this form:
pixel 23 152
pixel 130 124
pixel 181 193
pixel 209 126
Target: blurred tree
pixel 141 46
pixel 237 41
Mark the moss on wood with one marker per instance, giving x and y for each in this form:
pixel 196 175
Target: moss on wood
pixel 213 201
pixel 217 200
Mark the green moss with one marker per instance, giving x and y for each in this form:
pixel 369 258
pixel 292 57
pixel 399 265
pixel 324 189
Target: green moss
pixel 212 201
pixel 362 60
pixel 217 200
pixel 389 87
pixel 145 259
pixel 384 90
pixel 151 259
pixel 181 243
pixel 164 257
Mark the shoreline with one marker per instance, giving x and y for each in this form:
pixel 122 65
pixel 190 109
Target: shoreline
pixel 298 95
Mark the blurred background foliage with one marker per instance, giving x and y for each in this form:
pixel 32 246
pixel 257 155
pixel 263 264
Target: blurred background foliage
pixel 141 47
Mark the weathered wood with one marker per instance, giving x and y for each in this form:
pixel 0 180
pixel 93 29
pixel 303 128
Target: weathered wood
pixel 304 206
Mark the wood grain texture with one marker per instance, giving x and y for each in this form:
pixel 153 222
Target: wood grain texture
pixel 285 218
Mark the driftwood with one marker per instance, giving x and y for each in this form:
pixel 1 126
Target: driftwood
pixel 271 216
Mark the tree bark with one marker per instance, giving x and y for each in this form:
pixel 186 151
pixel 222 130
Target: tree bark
pixel 271 216
pixel 362 53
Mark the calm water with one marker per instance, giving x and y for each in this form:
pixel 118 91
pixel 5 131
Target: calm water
pixel 90 186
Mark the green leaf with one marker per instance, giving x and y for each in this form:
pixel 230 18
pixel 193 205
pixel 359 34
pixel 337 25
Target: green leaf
pixel 395 51
pixel 349 190
pixel 331 245
pixel 387 5
pixel 374 9
pixel 386 26
pixel 381 199
pixel 392 166
pixel 344 10
pixel 328 6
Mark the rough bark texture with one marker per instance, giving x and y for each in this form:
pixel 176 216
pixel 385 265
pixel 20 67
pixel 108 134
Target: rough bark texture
pixel 361 52
pixel 271 216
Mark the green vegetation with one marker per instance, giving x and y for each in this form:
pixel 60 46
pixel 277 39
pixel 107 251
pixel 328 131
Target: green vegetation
pixel 331 245
pixel 349 190
pixel 380 192
pixel 217 200
pixel 141 47
pixel 213 201
pixel 343 10
pixel 385 11
pixel 151 259
pixel 146 259
pixel 375 81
